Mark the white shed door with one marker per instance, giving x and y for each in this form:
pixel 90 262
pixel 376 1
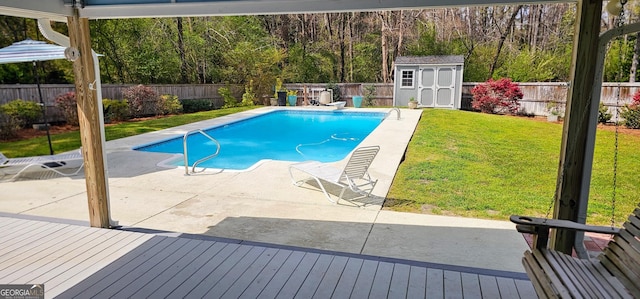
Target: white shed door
pixel 436 86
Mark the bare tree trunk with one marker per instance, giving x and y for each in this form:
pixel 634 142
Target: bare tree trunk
pixel 343 48
pixel 400 34
pixel 183 61
pixel 351 16
pixel 503 37
pixel 384 45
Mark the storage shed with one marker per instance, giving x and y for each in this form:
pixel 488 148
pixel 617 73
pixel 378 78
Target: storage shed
pixel 433 81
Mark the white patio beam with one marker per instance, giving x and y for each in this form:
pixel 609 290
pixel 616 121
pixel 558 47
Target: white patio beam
pixel 263 7
pixel 36 9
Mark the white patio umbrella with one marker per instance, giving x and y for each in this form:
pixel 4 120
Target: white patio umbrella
pixel 32 51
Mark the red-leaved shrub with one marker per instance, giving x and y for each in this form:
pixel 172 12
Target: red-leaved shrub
pixel 143 101
pixel 68 105
pixel 631 112
pixel 497 96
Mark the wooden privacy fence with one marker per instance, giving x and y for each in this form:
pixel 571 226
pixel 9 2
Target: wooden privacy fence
pixel 536 95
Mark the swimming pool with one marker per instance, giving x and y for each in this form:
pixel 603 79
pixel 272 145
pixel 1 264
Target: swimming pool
pixel 286 135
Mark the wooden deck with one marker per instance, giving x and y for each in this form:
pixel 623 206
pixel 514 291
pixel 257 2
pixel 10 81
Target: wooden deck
pixel 74 261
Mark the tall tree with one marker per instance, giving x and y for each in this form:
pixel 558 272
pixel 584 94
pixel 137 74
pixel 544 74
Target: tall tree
pixel 503 37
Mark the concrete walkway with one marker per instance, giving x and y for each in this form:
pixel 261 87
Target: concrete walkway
pixel 262 205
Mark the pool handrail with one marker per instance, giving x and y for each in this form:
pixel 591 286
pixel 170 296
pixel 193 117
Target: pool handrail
pixel 396 109
pixel 186 155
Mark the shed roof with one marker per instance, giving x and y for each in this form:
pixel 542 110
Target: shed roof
pixel 434 59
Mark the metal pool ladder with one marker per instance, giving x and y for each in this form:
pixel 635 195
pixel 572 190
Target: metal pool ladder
pixel 186 155
pixel 396 109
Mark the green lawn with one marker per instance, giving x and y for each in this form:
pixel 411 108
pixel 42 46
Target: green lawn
pixel 69 141
pixel 490 166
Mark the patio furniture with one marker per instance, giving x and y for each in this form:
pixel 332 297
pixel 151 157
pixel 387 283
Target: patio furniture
pixel 614 274
pixel 66 164
pixel 338 104
pixel 354 176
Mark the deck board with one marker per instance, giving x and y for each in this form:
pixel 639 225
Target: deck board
pixel 83 262
pixel 435 283
pixel 257 285
pixel 348 279
pixel 311 283
pixel 279 279
pixel 163 278
pixel 362 288
pixel 331 277
pixel 452 285
pixel 151 268
pixel 221 271
pixel 91 261
pixel 489 286
pixel 399 281
pixel 234 289
pixel 381 281
pixel 417 282
pixel 470 285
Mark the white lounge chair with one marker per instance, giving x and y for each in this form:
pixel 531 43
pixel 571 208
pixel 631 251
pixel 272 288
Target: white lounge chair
pixel 70 162
pixel 354 176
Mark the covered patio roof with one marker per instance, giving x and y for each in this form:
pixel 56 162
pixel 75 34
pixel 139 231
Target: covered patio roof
pixel 576 155
pixel 58 10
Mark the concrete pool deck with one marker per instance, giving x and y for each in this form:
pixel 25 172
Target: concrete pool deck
pixel 262 205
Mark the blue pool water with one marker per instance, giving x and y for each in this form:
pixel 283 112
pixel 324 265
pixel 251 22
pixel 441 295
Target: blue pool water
pixel 286 135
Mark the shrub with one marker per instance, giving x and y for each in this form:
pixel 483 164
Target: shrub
pixel 115 110
pixel 603 114
pixel 229 100
pixel 499 96
pixel 170 104
pixel 337 93
pixel 190 106
pixel 143 100
pixel 9 126
pixel 25 112
pixel 68 105
pixel 249 96
pixel 369 94
pixel 631 112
